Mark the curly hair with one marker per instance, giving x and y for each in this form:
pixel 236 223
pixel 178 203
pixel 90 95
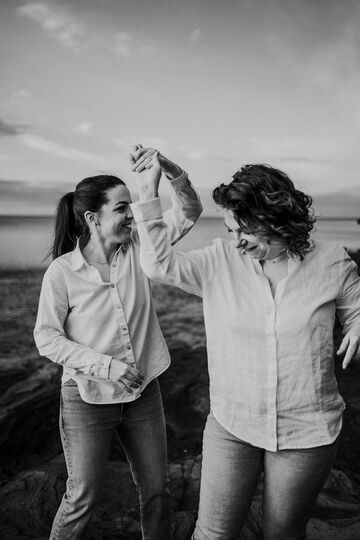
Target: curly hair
pixel 264 201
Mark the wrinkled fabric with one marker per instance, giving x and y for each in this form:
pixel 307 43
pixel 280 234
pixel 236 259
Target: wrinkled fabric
pixel 270 359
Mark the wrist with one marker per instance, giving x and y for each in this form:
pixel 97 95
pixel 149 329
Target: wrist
pixel 148 193
pixel 170 169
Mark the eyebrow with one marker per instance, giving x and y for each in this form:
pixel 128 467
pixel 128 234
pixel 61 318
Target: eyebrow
pixel 120 203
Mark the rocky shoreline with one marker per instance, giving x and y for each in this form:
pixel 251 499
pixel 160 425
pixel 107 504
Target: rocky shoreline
pixel 32 470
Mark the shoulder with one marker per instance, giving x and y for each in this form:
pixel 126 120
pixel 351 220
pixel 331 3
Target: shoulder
pixel 59 267
pixel 326 251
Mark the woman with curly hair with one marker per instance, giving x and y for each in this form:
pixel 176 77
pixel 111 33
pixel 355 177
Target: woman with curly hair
pixel 270 297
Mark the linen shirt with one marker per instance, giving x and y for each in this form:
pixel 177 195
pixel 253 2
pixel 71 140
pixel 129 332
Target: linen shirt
pixel 270 359
pixel 84 322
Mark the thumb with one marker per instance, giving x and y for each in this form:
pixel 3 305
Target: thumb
pixel 155 159
pixel 343 345
pixel 131 159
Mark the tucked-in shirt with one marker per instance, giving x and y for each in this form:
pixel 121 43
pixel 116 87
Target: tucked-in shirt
pixel 270 359
pixel 84 322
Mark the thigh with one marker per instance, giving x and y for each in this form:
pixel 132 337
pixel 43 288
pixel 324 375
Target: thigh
pixel 143 435
pixel 292 481
pixel 230 472
pixel 86 433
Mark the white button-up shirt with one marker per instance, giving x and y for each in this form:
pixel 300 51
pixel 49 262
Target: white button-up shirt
pixel 270 359
pixel 84 322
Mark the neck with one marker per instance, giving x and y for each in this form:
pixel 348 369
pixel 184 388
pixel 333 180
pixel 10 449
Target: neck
pixel 97 251
pixel 279 258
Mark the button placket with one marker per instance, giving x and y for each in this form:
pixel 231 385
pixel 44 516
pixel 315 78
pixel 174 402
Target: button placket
pixel 123 324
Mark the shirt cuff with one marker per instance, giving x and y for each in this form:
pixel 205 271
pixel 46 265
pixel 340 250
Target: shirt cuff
pixel 144 211
pixel 180 180
pixel 104 367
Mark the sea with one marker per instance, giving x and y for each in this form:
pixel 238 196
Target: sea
pixel 26 240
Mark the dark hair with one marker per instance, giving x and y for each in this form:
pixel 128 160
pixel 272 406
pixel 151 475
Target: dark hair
pixel 70 225
pixel 264 200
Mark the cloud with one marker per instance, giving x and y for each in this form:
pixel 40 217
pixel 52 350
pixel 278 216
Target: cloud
pixel 197 155
pixel 84 128
pixel 43 145
pixel 195 35
pixel 10 129
pixel 58 21
pixel 319 41
pixel 125 45
pixel 122 44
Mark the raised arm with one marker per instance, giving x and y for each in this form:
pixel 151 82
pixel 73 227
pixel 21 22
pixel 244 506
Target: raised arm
pixel 186 205
pixel 51 341
pixel 158 259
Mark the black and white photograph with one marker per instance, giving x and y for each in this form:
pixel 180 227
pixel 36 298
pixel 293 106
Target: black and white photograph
pixel 179 270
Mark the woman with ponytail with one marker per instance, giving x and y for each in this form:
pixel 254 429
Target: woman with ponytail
pixel 97 320
pixel 270 297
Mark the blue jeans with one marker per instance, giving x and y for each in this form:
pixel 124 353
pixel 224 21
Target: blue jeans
pixel 86 433
pixel 231 469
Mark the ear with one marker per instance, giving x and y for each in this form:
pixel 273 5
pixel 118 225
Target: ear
pixel 91 218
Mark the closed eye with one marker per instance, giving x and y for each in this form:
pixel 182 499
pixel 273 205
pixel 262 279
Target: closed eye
pixel 121 208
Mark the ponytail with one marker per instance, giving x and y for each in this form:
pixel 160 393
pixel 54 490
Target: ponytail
pixel 65 236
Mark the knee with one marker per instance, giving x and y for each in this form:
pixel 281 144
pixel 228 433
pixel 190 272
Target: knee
pixel 82 494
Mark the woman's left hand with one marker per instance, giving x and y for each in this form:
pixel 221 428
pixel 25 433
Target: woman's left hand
pixel 350 344
pixel 147 176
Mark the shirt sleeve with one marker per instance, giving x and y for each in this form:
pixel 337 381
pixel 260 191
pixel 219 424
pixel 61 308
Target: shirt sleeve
pixel 159 259
pixel 49 333
pixel 348 301
pixel 185 210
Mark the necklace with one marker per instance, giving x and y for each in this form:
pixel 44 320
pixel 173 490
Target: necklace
pixel 278 259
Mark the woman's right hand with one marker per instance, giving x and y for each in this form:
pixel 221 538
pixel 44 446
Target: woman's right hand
pixel 126 374
pixel 147 178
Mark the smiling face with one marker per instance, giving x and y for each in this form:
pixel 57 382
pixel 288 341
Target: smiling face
pixel 115 217
pixel 257 246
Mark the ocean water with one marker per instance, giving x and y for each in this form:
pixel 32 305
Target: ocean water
pixel 25 240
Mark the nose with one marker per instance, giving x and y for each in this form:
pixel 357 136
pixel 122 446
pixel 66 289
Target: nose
pixel 129 214
pixel 239 241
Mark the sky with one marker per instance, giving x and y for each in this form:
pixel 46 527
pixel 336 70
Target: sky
pixel 214 84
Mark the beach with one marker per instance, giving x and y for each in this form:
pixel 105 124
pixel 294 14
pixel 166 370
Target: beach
pixel 32 471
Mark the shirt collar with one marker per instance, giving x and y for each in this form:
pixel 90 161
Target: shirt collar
pixel 78 260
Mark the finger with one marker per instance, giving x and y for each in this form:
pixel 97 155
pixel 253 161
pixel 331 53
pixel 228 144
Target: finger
pixel 138 151
pixel 343 345
pixel 349 354
pixel 148 152
pixel 141 163
pixel 136 379
pixel 131 159
pixel 126 387
pixel 155 159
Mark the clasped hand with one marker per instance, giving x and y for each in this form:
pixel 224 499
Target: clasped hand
pixel 149 164
pixel 126 374
pixel 145 162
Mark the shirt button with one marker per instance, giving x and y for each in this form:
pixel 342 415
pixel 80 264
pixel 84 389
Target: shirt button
pixel 112 285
